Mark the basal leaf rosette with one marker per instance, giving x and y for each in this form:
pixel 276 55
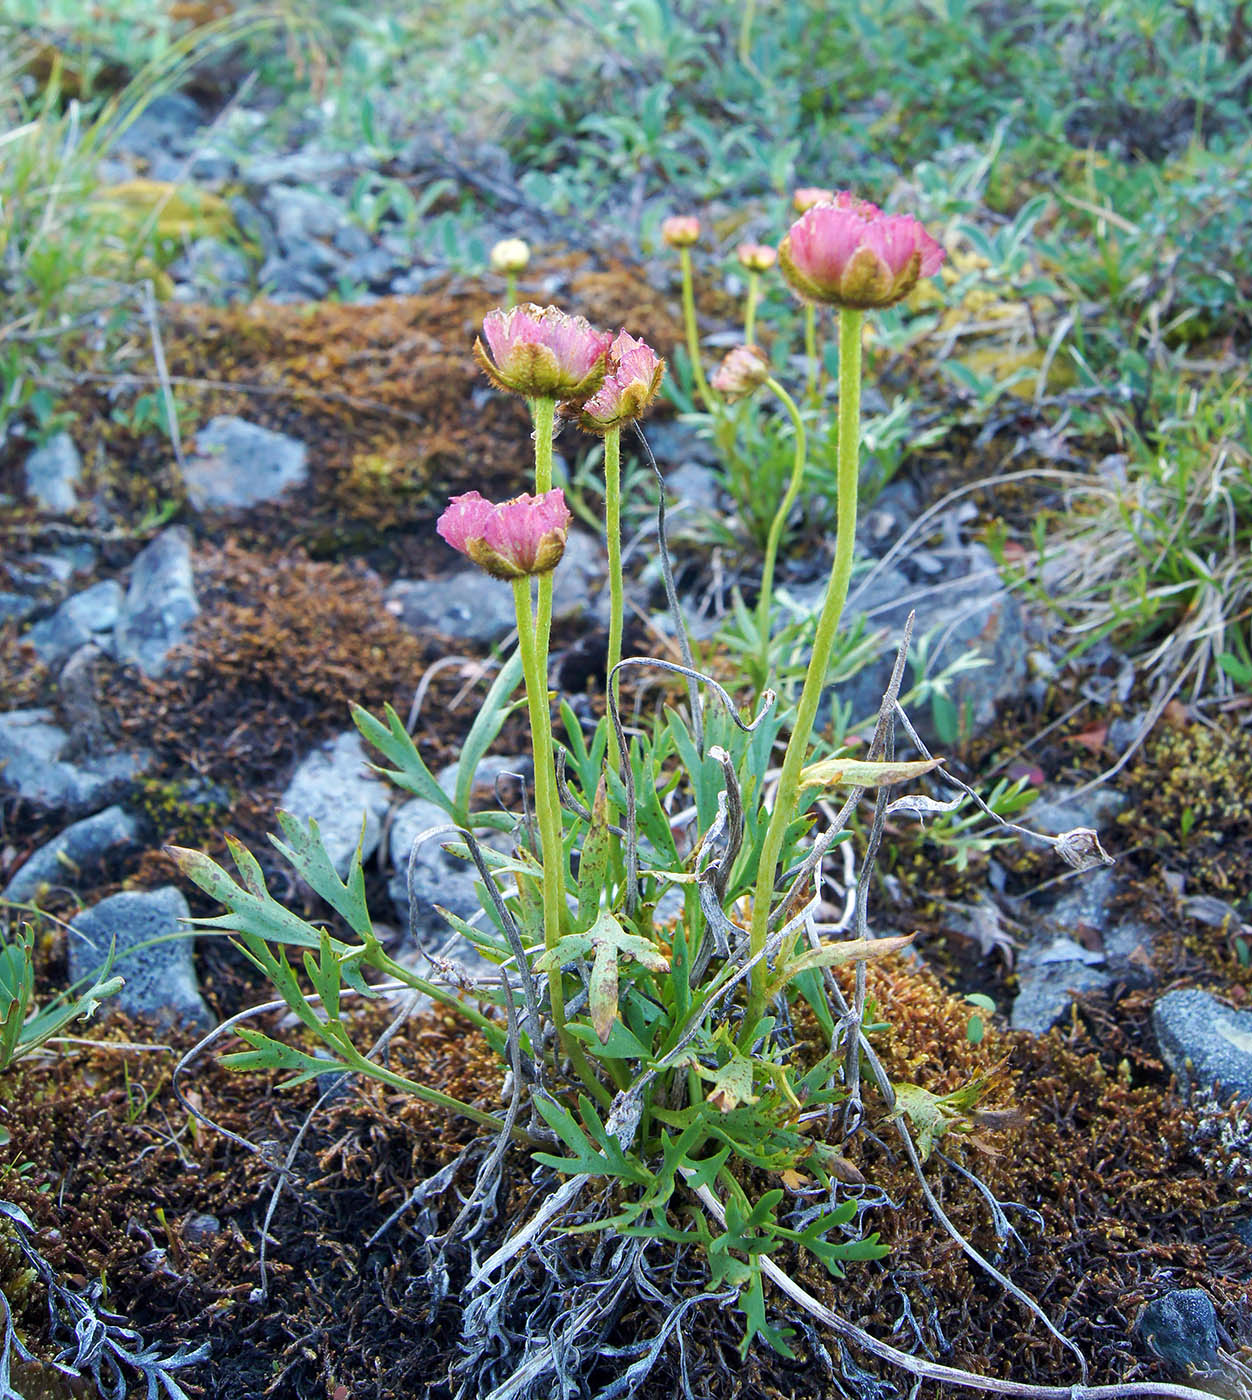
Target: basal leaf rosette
pixel 848 253
pixel 511 540
pixel 542 352
pixel 632 381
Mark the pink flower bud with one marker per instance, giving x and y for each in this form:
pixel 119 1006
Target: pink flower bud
pixel 849 253
pixel 634 376
pixel 523 536
pixel 680 230
pixel 756 257
pixel 542 353
pixel 744 369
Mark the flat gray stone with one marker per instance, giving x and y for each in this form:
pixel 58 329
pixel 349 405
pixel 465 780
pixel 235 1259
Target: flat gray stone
pixel 52 473
pixel 237 464
pixel 16 606
pixel 465 605
pixel 1204 1042
pixel 32 746
pixel 212 271
pixel 160 979
pixel 57 862
pixel 160 602
pixel 334 786
pixel 89 616
pixel 1046 987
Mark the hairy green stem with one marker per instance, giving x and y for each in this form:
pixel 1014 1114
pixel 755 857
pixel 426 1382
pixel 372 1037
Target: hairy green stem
pixel 613 536
pixel 810 349
pixel 510 290
pixel 543 415
pixel 819 663
pixel 766 598
pixel 749 313
pixel 693 333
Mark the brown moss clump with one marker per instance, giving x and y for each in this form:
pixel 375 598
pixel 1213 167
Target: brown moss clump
pixel 280 648
pixel 1191 792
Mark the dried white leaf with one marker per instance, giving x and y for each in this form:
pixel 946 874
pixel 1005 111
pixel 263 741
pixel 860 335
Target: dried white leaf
pixel 1081 849
pixel 918 805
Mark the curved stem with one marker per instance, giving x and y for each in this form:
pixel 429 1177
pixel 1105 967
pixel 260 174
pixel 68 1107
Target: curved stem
pixel 613 536
pixel 693 334
pixel 766 598
pixel 819 663
pixel 749 314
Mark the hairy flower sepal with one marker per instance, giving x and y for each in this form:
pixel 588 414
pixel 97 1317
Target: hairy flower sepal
pixel 542 352
pixel 606 941
pixel 850 254
pixel 514 539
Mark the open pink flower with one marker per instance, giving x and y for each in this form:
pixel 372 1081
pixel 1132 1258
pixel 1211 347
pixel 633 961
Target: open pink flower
pixel 634 376
pixel 849 253
pixel 543 353
pixel 523 536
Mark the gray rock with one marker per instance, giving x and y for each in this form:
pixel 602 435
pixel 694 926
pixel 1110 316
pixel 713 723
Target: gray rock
pixel 237 464
pixel 16 606
pixel 465 605
pixel 488 771
pixel 160 602
pixel 352 240
pixel 1204 1042
pixel 160 979
pixel 32 746
pixel 1127 941
pixel 306 166
pixel 89 616
pixel 52 473
pixel 167 124
pixel 580 576
pixel 438 878
pixel 1046 986
pixel 373 268
pixel 57 862
pixel 1181 1328
pixel 696 491
pixel 79 691
pixel 675 444
pixel 965 614
pixel 282 282
pixel 1058 812
pixel 299 215
pixel 414 281
pixel 212 271
pixel 212 168
pixel 334 786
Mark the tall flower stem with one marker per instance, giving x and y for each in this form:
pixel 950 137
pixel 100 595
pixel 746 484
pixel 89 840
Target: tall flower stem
pixel 819 663
pixel 510 290
pixel 693 334
pixel 749 314
pixel 766 598
pixel 810 349
pixel 543 415
pixel 613 536
pixel 532 642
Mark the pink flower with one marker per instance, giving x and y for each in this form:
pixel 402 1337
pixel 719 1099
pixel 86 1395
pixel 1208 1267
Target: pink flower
pixel 680 230
pixel 756 257
pixel 849 253
pixel 523 536
pixel 744 369
pixel 634 376
pixel 542 353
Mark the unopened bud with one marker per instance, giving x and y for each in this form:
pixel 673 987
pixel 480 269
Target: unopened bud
pixel 680 230
pixel 744 369
pixel 756 257
pixel 510 255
